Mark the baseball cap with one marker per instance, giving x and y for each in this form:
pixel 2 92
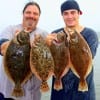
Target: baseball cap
pixel 70 4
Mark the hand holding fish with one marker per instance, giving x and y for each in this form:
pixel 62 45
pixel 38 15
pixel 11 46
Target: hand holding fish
pixel 50 38
pixel 4 47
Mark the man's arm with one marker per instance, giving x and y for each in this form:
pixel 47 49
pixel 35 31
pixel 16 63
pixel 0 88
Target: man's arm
pixel 3 46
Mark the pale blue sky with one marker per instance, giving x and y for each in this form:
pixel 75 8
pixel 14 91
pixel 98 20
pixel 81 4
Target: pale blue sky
pixel 51 19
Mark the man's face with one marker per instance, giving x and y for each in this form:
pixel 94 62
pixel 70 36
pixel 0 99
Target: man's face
pixel 71 17
pixel 30 17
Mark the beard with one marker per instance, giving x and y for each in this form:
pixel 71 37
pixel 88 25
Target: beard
pixel 30 24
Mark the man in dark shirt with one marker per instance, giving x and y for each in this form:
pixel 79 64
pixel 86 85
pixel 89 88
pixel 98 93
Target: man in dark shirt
pixel 71 12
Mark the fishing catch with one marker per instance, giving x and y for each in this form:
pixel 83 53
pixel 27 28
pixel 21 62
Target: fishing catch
pixel 80 58
pixel 60 52
pixel 41 61
pixel 16 61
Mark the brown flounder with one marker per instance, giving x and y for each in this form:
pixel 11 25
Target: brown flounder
pixel 41 61
pixel 16 61
pixel 60 53
pixel 80 58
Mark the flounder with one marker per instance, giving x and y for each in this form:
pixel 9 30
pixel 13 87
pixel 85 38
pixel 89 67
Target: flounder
pixel 41 61
pixel 16 61
pixel 80 58
pixel 60 52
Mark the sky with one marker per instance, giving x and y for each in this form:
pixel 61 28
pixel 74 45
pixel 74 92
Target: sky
pixel 50 19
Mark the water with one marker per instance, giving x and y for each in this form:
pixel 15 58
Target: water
pixel 97 73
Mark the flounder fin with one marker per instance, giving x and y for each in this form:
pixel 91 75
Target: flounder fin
pixel 58 85
pixel 44 87
pixel 83 86
pixel 17 92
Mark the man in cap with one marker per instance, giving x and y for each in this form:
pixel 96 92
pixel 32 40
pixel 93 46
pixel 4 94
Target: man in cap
pixel 31 88
pixel 71 12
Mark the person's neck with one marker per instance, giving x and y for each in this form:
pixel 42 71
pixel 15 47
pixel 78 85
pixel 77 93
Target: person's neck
pixel 78 28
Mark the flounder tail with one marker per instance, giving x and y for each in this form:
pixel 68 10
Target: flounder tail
pixel 17 92
pixel 44 87
pixel 58 84
pixel 83 86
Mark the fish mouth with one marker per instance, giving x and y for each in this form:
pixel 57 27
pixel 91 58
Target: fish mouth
pixel 56 42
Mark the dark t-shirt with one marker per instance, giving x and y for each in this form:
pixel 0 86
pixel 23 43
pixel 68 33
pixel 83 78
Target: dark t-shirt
pixel 70 81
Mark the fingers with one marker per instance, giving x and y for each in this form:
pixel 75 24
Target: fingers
pixel 50 38
pixel 4 47
pixel 17 32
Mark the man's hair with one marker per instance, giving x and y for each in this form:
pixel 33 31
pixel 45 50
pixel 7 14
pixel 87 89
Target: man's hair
pixel 32 3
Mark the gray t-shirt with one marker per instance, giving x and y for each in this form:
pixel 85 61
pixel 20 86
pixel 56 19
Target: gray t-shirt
pixel 32 86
